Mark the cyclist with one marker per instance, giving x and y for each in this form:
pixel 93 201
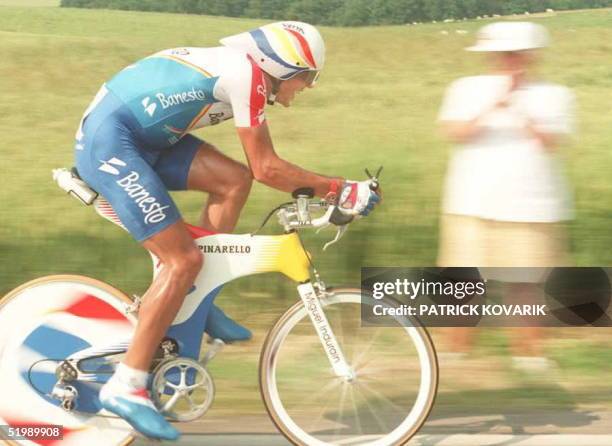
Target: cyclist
pixel 134 145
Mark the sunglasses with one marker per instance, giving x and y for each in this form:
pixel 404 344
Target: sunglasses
pixel 310 76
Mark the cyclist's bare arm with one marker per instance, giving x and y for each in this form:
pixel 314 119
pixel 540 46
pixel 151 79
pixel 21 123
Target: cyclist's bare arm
pixel 268 168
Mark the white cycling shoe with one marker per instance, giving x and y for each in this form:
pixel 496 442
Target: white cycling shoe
pixel 135 407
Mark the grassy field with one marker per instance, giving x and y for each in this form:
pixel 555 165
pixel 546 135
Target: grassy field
pixel 29 3
pixel 375 104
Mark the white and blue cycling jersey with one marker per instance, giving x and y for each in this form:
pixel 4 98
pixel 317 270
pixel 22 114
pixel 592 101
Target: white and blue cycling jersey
pixel 133 144
pixel 175 91
pixel 179 90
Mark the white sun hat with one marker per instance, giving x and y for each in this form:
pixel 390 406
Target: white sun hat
pixel 510 36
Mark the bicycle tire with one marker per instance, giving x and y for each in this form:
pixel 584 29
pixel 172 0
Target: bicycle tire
pixel 267 366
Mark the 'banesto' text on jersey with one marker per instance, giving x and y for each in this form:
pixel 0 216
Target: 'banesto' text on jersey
pixel 178 90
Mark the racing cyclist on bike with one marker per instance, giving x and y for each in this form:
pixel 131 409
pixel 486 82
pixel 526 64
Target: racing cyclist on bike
pixel 134 144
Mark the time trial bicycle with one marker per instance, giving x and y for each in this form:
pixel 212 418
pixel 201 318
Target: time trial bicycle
pixel 325 378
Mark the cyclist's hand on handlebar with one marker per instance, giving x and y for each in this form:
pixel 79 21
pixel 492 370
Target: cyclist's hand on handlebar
pixel 358 197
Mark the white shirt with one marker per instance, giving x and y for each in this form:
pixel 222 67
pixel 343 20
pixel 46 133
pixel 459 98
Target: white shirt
pixel 505 173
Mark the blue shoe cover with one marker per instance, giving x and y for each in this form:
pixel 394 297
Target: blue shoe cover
pixel 219 326
pixel 143 417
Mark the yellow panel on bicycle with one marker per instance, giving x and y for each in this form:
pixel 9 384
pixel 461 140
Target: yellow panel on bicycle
pixel 285 254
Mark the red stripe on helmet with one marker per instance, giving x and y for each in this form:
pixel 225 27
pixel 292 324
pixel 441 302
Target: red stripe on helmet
pixel 305 47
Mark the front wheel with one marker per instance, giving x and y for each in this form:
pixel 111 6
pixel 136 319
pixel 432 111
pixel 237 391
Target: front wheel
pixel 393 389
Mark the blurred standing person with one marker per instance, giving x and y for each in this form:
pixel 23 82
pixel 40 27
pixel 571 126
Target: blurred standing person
pixel 505 195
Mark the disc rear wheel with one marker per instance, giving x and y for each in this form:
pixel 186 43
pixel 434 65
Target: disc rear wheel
pixel 42 323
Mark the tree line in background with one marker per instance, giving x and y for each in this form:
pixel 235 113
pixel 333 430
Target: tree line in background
pixel 345 12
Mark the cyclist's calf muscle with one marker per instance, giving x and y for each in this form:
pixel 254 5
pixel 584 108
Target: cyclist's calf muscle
pixel 182 261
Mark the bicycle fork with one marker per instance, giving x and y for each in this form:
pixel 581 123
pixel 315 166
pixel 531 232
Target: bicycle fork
pixel 324 330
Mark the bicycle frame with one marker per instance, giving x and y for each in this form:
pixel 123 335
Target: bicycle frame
pixel 228 257
pixel 62 359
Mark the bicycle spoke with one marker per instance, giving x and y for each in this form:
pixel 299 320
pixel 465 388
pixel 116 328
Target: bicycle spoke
pixel 340 329
pixel 341 411
pixel 363 365
pixel 368 347
pixel 323 390
pixel 359 428
pixel 381 397
pixel 196 385
pixel 320 417
pixel 388 384
pixel 171 402
pixel 372 368
pixel 183 381
pixel 374 413
pixel 192 405
pixel 339 332
pixel 170 384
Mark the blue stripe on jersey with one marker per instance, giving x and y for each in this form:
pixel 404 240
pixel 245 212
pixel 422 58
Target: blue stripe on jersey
pixel 164 95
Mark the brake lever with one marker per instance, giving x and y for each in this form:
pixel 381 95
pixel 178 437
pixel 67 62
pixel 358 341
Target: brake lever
pixel 339 233
pixel 374 185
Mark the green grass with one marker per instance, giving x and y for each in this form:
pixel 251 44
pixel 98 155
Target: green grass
pixel 376 104
pixel 583 359
pixel 30 3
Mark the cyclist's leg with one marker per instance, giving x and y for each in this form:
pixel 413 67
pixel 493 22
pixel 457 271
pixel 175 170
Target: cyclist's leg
pixel 228 183
pixel 169 241
pixel 182 261
pixel 112 162
pixel 125 393
pixel 194 164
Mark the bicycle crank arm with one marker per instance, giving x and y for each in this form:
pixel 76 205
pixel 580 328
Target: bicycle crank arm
pixel 324 330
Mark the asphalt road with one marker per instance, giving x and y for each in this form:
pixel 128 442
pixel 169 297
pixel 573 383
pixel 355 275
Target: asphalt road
pixel 568 428
pixel 419 440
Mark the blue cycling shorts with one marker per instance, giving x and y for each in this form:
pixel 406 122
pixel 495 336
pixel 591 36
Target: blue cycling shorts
pixel 112 159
